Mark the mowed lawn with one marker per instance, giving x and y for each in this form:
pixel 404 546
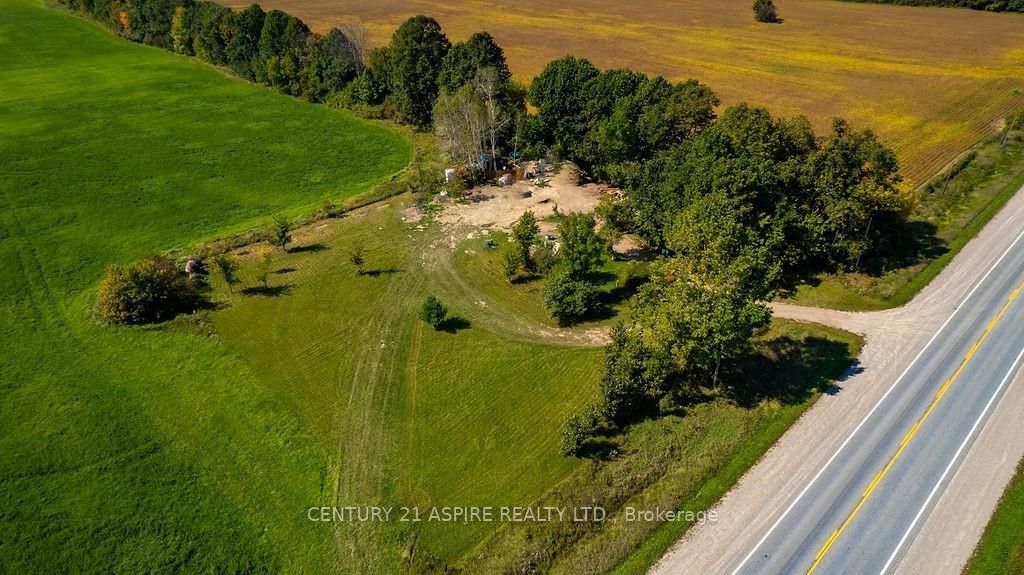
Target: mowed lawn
pixel 469 416
pixel 418 417
pixel 930 81
pixel 140 450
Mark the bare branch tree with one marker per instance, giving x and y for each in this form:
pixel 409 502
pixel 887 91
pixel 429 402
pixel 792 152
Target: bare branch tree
pixel 358 43
pixel 488 83
pixel 461 123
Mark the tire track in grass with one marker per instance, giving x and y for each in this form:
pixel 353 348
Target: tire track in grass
pixel 438 260
pixel 410 404
pixel 365 448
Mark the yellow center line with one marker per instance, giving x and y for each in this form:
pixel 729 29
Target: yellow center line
pixel 820 556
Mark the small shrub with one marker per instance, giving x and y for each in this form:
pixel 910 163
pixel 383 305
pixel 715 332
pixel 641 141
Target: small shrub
pixel 150 290
pixel 568 299
pixel 545 258
pixel 433 312
pixel 281 233
pixel 577 428
pixel 263 266
pixel 355 257
pixel 511 260
pixel 328 210
pixel 228 268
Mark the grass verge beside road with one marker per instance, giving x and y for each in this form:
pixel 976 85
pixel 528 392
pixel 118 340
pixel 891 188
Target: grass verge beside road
pixel 1001 550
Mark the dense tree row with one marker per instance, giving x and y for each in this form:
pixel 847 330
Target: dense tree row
pixel 989 5
pixel 813 202
pixel 609 122
pixel 273 48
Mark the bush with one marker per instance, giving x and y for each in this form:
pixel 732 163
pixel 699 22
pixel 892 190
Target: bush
pixel 511 260
pixel 280 233
pixel 635 376
pixel 150 290
pixel 567 299
pixel 545 258
pixel 433 312
pixel 577 428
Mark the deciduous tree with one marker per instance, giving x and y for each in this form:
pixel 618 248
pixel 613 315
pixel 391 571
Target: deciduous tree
pixel 524 236
pixel 582 250
pixel 417 49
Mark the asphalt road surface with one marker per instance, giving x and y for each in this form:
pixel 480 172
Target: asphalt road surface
pixel 861 510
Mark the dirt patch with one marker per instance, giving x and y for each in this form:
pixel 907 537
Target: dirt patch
pixel 494 207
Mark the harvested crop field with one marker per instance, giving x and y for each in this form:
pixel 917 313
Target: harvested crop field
pixel 931 81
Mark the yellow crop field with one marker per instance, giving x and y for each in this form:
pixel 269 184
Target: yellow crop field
pixel 930 81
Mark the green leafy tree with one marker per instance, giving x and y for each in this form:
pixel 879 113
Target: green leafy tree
pixel 208 41
pixel 765 11
pixel 699 324
pixel 228 268
pixel 635 374
pixel 465 59
pixel 331 65
pixel 524 235
pixel 243 41
pixel 373 84
pixel 582 250
pixel 857 202
pixel 149 290
pixel 433 312
pixel 417 49
pixel 711 240
pixel 181 30
pixel 282 44
pixel 559 95
pixel 567 298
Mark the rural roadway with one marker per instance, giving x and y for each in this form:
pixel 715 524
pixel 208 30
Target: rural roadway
pixel 898 465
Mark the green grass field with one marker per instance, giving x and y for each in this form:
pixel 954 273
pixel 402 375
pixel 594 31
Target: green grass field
pixel 147 450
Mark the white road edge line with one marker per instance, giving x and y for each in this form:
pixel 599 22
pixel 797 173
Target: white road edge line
pixel 970 436
pixel 880 401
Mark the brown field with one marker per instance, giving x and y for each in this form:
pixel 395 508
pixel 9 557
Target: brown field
pixel 931 81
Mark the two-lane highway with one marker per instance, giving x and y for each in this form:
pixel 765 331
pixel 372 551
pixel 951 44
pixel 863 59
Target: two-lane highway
pixel 861 510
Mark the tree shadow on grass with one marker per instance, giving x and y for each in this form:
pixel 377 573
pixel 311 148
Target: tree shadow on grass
pixel 311 248
pixel 791 371
pixel 524 278
pixel 454 324
pixel 381 272
pixel 599 448
pixel 268 291
pixel 283 271
pixel 916 243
